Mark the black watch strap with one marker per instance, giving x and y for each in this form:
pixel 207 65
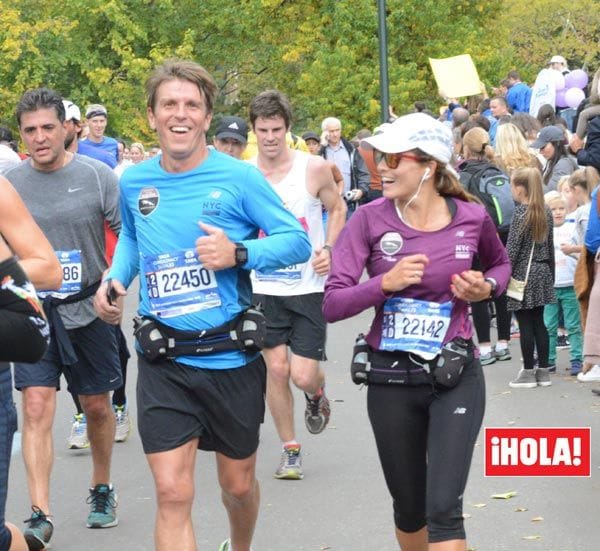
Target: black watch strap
pixel 241 254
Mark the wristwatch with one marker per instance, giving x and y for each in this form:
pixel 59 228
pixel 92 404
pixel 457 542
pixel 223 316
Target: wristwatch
pixel 494 285
pixel 241 254
pixel 327 248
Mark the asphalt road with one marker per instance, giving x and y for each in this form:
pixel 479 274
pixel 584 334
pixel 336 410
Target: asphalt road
pixel 342 503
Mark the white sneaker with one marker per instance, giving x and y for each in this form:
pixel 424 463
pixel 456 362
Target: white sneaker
pixel 78 439
pixel 592 376
pixel 123 423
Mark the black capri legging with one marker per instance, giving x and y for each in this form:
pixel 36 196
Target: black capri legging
pixel 24 330
pixel 425 443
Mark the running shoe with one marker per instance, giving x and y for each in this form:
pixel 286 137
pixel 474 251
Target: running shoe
pixel 123 423
pixel 317 412
pixel 525 379
pixel 103 507
pixel 290 467
pixel 487 359
pixel 226 545
pixel 40 529
pixel 78 439
pixel 502 355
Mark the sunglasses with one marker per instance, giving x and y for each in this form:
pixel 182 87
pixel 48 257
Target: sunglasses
pixel 393 159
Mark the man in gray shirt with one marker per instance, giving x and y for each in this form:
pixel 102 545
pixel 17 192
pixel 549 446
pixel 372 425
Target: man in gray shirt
pixel 69 197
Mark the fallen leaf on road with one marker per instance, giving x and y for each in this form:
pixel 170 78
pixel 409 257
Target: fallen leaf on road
pixel 478 505
pixel 466 515
pixel 537 519
pixel 506 495
pixel 520 509
pixel 531 538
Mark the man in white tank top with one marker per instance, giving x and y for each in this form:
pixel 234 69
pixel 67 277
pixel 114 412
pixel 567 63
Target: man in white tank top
pixel 292 297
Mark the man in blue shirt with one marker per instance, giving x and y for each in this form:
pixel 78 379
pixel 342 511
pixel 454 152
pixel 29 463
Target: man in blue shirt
pixel 97 119
pixel 191 221
pixel 518 95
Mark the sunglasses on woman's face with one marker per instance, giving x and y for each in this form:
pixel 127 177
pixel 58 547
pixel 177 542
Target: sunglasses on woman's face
pixel 392 159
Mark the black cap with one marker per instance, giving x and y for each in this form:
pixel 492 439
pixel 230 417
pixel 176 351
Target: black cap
pixel 234 128
pixel 311 136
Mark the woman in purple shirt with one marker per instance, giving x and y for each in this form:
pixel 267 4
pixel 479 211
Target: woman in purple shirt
pixel 417 244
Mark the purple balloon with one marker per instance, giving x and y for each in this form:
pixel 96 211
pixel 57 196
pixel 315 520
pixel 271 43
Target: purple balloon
pixel 560 98
pixel 576 79
pixel 573 97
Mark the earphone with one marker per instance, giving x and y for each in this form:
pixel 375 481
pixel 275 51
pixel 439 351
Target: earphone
pixel 426 173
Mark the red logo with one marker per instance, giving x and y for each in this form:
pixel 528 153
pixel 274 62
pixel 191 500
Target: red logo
pixel 544 451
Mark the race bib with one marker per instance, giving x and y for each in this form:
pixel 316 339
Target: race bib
pixel 289 274
pixel 416 326
pixel 70 262
pixel 284 275
pixel 178 284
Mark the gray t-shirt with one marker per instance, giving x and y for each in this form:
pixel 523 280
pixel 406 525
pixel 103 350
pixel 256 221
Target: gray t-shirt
pixel 70 205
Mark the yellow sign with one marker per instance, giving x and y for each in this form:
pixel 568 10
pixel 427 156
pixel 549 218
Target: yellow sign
pixel 456 76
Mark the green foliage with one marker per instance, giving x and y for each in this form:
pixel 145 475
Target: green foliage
pixel 322 53
pixel 540 29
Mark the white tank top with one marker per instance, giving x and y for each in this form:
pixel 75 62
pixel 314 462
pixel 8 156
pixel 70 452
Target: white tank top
pixel 298 279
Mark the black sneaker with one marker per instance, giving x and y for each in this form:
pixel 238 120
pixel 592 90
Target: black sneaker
pixel 562 342
pixel 40 529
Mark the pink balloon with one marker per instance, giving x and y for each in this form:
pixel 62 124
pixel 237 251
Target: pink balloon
pixel 576 79
pixel 573 97
pixel 560 98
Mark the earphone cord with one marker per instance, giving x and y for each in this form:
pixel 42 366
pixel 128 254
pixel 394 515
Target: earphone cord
pixel 401 213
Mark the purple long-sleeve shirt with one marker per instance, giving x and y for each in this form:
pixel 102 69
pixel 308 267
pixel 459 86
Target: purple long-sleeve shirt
pixel 375 238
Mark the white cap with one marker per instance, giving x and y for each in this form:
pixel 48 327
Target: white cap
pixel 381 128
pixel 71 111
pixel 558 59
pixel 414 131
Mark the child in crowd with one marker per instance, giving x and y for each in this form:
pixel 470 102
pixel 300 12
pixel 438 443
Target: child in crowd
pixel 562 341
pixel 564 274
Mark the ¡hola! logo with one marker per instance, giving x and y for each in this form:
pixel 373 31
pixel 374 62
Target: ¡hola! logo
pixel 547 451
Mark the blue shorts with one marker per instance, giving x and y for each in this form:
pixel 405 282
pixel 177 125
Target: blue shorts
pixel 98 369
pixel 8 426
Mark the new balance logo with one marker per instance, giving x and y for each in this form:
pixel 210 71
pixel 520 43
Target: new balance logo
pixel 460 411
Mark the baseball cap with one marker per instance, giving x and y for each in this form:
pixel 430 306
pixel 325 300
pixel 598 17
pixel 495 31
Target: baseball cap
pixel 381 128
pixel 95 110
pixel 234 128
pixel 311 136
pixel 72 112
pixel 548 134
pixel 414 131
pixel 558 59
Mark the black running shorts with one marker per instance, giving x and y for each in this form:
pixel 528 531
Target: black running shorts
pixel 296 321
pixel 224 408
